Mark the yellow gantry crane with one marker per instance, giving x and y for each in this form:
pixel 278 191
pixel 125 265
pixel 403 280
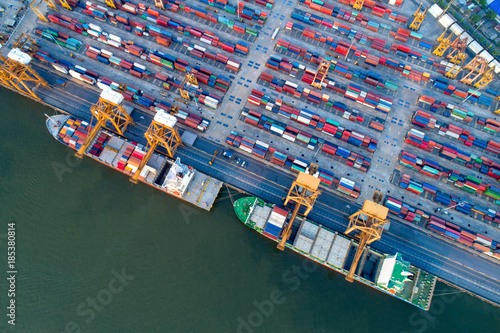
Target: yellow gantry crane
pixel 369 225
pixel 419 17
pixel 163 132
pixel 303 192
pixel 65 4
pixel 477 67
pixel 485 79
pixel 189 79
pixel 321 73
pixel 37 3
pixel 358 5
pixel 444 44
pixel 111 3
pixel 108 108
pixel 16 72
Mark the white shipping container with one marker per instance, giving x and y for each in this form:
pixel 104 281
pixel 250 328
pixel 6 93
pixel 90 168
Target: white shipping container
pixel 96 50
pixel 205 40
pixel 107 52
pixel 61 69
pixel 114 37
pixel 95 27
pixel 94 33
pixel 140 66
pixel 199 48
pixel 115 44
pixel 232 63
pixel 291 84
pixel 287 137
pixel 102 86
pixel 74 74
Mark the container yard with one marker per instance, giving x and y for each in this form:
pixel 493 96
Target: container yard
pixel 366 100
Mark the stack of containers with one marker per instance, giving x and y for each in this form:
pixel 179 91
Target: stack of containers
pixel 479 242
pixel 424 119
pixel 348 187
pixel 403 210
pixel 74 132
pixel 60 38
pixel 327 178
pixel 174 6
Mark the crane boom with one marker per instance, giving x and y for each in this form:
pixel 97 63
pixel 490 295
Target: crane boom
pixel 369 222
pixel 303 192
pixel 286 233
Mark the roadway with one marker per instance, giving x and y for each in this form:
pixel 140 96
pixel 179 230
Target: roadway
pixel 449 262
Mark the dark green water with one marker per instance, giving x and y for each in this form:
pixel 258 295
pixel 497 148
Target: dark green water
pixel 95 253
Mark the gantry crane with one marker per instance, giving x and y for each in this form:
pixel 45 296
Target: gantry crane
pixel 478 64
pixel 457 55
pixel 485 79
pixel 16 72
pixel 163 132
pixel 111 3
pixel 321 73
pixel 108 108
pixel 303 192
pixel 369 223
pixel 358 4
pixel 444 44
pixel 65 4
pixel 23 40
pixel 419 17
pixel 36 3
pixel 159 4
pixel 190 79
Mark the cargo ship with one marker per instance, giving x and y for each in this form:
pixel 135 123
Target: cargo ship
pixel 123 155
pixel 387 273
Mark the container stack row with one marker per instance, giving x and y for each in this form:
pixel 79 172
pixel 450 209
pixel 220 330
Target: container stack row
pixel 449 230
pixel 378 9
pixel 452 231
pixel 482 164
pixel 460 204
pixel 292 88
pixel 60 38
pixel 175 5
pixel 310 119
pixel 433 169
pixel 472 95
pixel 424 119
pixel 352 92
pixel 343 48
pixel 277 157
pixel 404 210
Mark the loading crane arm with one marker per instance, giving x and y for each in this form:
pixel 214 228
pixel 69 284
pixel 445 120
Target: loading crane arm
pixel 107 108
pixel 163 132
pixel 303 192
pixel 369 224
